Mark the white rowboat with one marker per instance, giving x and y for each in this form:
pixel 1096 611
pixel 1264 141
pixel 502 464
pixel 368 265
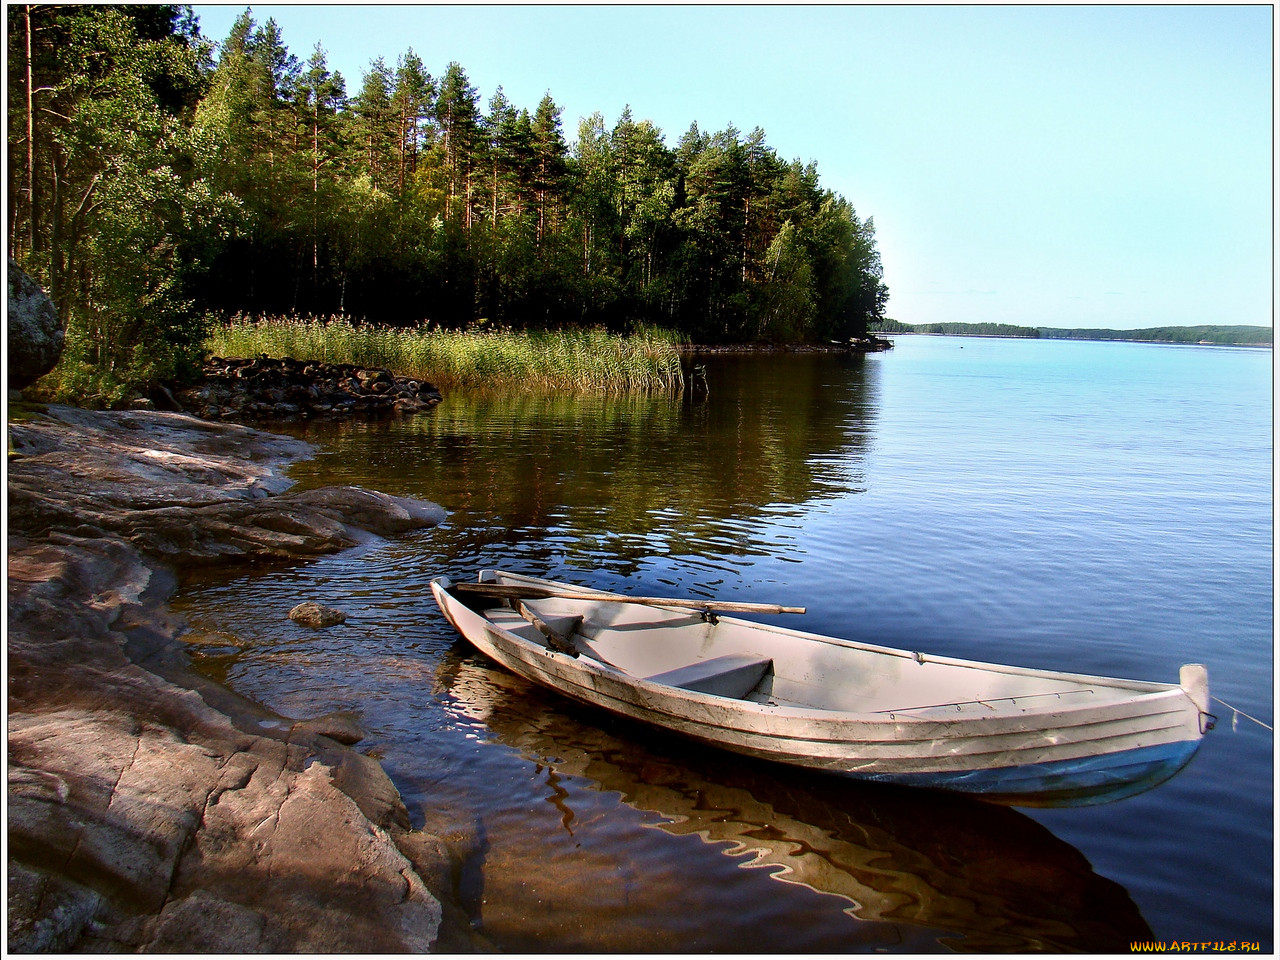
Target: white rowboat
pixel 1016 735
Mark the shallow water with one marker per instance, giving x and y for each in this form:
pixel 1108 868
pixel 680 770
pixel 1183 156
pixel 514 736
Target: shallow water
pixel 1094 507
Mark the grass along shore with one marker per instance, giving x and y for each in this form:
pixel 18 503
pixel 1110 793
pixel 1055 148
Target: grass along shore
pixel 586 361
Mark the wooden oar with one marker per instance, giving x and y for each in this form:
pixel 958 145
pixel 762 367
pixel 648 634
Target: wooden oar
pixel 514 591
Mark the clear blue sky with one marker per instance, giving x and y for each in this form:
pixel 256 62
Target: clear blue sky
pixel 1046 166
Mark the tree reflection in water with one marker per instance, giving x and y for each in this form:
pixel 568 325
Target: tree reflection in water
pixel 610 482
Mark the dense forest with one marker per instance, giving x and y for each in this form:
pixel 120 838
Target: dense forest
pixel 157 179
pixel 1220 334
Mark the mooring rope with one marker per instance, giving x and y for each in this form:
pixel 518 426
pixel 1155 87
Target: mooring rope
pixel 1240 713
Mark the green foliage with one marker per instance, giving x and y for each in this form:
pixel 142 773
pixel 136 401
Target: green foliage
pixel 152 184
pixel 416 204
pixel 114 231
pixel 889 325
pixel 80 378
pixel 585 360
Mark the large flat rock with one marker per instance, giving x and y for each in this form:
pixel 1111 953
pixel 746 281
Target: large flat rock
pixel 150 810
pixel 184 489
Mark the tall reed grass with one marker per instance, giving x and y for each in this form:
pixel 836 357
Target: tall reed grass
pixel 585 360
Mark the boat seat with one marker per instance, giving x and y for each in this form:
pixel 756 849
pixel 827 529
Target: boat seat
pixel 732 675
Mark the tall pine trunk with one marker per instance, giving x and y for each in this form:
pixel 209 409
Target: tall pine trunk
pixel 32 204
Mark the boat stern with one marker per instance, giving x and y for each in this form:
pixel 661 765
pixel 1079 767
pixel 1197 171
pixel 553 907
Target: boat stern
pixel 1194 680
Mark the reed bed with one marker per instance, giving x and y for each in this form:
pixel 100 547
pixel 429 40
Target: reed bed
pixel 577 360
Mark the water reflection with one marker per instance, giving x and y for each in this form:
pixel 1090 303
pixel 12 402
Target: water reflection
pixel 609 482
pixel 980 878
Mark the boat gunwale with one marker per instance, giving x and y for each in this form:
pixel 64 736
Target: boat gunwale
pixel 1141 687
pixel 1076 716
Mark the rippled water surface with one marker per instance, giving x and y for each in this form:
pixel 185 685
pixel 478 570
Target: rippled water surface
pixel 1092 507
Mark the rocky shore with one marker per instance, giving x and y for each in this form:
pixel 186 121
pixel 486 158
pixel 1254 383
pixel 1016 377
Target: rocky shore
pixel 268 389
pixel 150 809
pixel 868 344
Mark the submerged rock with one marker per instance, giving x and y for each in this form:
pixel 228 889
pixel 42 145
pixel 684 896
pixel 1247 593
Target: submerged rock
pixel 311 614
pixel 342 726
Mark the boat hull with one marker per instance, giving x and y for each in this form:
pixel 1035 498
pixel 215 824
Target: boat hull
pixel 1071 754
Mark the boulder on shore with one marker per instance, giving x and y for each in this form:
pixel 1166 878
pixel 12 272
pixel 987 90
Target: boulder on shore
pixel 150 809
pixel 35 332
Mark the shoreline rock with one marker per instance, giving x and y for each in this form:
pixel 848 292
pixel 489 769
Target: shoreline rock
pixel 289 389
pixel 151 809
pixel 868 344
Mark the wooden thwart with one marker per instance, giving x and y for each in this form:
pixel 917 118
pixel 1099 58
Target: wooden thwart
pixel 511 591
pixel 559 637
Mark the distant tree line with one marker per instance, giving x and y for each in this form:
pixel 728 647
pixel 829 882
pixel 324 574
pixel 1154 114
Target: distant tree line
pixel 152 181
pixel 1222 334
pixel 956 329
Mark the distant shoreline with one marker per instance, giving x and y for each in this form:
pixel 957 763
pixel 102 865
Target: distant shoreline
pixel 1005 336
pixel 1208 335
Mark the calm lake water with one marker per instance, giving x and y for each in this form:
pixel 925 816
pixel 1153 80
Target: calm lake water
pixel 1092 507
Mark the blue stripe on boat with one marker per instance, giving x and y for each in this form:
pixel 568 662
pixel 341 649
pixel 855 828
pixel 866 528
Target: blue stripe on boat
pixel 1064 783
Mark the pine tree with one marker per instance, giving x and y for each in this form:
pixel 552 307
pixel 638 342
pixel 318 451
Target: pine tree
pixel 594 205
pixel 376 126
pixel 320 96
pixel 645 173
pixel 458 116
pixel 275 74
pixel 413 100
pixel 549 154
